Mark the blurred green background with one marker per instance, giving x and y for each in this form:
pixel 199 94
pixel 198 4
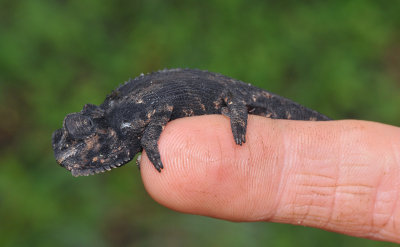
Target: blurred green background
pixel 341 58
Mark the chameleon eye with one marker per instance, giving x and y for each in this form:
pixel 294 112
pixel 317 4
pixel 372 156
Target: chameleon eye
pixel 78 126
pixel 55 139
pixel 93 110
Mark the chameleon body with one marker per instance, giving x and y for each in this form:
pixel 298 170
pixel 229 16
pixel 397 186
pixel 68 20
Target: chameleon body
pixel 132 117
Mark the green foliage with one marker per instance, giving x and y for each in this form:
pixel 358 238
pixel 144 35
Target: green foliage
pixel 339 57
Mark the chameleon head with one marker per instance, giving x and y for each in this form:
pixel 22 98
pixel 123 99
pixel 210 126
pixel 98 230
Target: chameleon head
pixel 87 144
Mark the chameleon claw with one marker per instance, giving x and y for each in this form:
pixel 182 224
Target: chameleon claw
pixel 238 141
pixel 158 166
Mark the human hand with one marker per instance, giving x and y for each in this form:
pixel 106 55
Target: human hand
pixel 341 176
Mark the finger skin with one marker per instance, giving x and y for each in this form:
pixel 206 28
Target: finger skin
pixel 341 176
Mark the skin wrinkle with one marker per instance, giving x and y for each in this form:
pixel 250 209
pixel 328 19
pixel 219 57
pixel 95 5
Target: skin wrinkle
pixel 273 161
pixel 245 157
pixel 284 178
pixel 341 199
pixel 374 229
pixel 245 161
pixel 333 204
pixel 396 155
pixel 313 198
pixel 281 186
pixel 317 175
pixel 277 169
pixel 397 194
pixel 312 208
pixel 356 186
pixel 306 215
pixel 310 198
pixel 317 196
pixel 255 158
pixel 301 203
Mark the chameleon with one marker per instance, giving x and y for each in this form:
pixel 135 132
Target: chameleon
pixel 132 117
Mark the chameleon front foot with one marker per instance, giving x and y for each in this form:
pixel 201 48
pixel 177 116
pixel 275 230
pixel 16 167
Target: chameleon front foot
pixel 238 131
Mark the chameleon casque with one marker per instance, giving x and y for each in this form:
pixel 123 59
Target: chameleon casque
pixel 132 117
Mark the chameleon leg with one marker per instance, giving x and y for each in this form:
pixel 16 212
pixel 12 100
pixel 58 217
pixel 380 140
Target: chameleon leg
pixel 236 110
pixel 152 133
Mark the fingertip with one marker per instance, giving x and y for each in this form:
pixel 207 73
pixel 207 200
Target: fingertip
pixel 206 172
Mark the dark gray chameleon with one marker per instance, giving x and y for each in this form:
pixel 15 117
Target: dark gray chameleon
pixel 132 117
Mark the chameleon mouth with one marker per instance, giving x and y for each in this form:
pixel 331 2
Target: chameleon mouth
pixel 83 158
pixel 77 171
pixel 91 171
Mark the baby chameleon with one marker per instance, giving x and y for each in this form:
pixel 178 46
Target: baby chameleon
pixel 132 117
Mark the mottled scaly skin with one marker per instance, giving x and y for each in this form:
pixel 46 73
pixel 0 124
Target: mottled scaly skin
pixel 133 116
